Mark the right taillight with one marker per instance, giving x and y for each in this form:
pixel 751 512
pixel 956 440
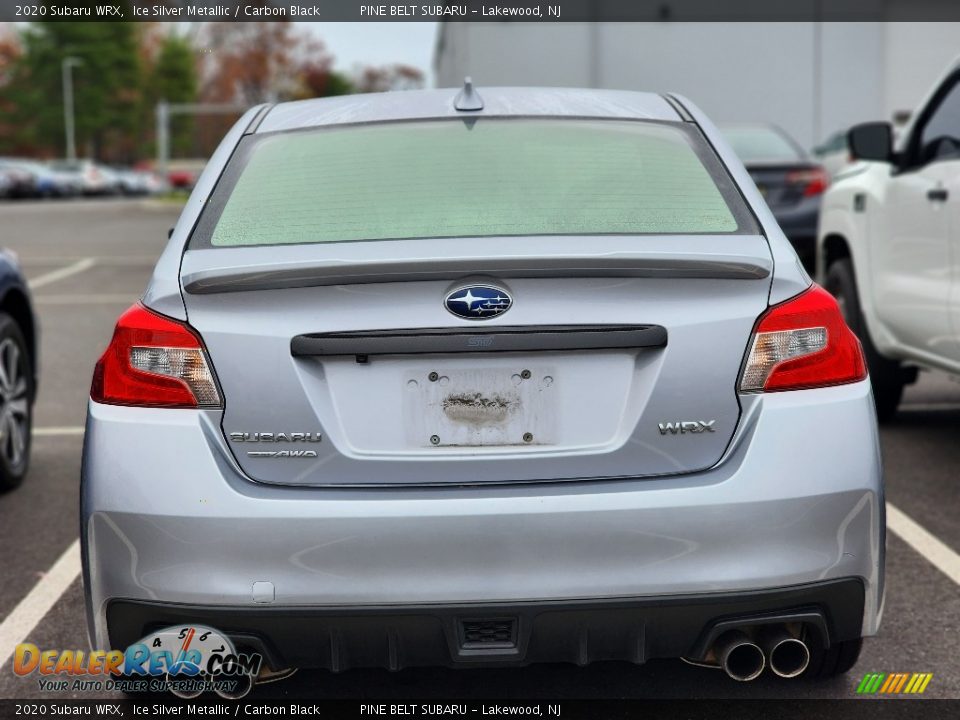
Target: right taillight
pixel 154 361
pixel 803 343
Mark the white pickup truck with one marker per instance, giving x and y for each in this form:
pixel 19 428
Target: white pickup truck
pixel 888 245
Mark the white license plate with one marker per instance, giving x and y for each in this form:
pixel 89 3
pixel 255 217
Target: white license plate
pixel 481 407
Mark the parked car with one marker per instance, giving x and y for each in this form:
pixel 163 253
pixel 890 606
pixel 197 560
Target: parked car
pixel 19 182
pixel 182 173
pixel 888 243
pixel 181 179
pixel 94 179
pixel 486 378
pixel 137 182
pixel 834 153
pixel 56 183
pixel 151 181
pixel 47 182
pixel 36 182
pixel 6 183
pixel 789 180
pixel 19 372
pixel 112 179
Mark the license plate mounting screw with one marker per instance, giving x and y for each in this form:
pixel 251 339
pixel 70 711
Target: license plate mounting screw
pixel 434 439
pixel 525 374
pixel 434 376
pixel 528 437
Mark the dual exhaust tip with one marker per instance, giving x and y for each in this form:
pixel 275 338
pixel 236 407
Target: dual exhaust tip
pixel 745 659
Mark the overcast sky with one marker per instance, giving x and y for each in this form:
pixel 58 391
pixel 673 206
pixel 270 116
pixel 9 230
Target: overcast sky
pixel 376 43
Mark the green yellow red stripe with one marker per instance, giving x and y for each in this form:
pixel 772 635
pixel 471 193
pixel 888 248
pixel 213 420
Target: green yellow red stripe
pixel 894 683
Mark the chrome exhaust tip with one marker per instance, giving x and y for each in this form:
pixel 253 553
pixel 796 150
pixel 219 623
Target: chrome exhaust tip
pixel 740 657
pixel 788 656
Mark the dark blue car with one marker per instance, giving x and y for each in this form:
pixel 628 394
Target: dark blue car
pixel 790 181
pixel 18 371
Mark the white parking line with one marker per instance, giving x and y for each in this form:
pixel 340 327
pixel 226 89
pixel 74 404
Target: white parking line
pixel 84 299
pixel 54 431
pixel 54 275
pixel 942 557
pixel 18 625
pixel 147 261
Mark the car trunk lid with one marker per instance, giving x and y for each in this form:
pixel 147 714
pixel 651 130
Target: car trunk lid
pixel 618 357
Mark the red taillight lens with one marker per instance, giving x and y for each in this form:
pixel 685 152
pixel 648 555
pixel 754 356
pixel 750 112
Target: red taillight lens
pixel 803 343
pixel 154 361
pixel 814 182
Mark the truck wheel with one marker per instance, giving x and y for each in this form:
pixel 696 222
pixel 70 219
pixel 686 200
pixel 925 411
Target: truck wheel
pixel 886 376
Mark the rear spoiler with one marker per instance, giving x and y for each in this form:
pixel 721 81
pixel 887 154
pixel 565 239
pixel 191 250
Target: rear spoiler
pixel 223 270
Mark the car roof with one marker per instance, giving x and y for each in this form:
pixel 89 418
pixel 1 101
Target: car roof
pixel 497 102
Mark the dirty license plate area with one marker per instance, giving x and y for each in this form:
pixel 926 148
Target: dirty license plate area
pixel 481 407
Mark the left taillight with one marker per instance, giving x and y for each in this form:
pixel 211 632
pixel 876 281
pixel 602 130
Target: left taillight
pixel 803 343
pixel 154 361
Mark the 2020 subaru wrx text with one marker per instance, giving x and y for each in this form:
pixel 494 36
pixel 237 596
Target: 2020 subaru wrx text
pixel 436 379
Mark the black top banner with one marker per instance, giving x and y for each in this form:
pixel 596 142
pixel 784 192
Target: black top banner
pixel 549 11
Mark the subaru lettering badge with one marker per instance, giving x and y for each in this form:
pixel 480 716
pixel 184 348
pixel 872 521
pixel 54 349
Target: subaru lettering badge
pixel 478 302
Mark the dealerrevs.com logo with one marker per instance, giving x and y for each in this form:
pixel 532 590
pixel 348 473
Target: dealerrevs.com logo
pixel 187 660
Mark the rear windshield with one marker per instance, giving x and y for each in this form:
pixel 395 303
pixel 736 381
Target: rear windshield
pixel 470 178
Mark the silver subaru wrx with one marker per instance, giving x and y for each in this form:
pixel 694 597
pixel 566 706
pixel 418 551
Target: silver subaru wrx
pixel 486 378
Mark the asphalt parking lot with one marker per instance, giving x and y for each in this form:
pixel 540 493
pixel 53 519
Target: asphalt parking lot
pixel 88 262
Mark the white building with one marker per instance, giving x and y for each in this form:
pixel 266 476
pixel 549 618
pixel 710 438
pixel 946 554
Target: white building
pixel 811 78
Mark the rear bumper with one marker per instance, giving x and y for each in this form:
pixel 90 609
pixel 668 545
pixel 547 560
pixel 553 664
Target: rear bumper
pixel 168 518
pixel 575 631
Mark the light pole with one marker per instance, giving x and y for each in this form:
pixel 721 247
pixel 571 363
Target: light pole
pixel 67 66
pixel 167 110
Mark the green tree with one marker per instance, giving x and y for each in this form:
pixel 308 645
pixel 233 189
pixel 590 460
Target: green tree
pixel 107 87
pixel 338 84
pixel 174 79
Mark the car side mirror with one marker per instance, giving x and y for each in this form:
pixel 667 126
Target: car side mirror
pixel 871 141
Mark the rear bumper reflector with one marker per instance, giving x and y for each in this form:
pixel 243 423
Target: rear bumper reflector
pixel 503 338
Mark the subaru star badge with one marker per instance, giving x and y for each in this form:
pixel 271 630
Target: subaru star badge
pixel 478 302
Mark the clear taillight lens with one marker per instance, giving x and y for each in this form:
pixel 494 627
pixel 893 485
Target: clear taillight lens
pixel 802 343
pixel 154 361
